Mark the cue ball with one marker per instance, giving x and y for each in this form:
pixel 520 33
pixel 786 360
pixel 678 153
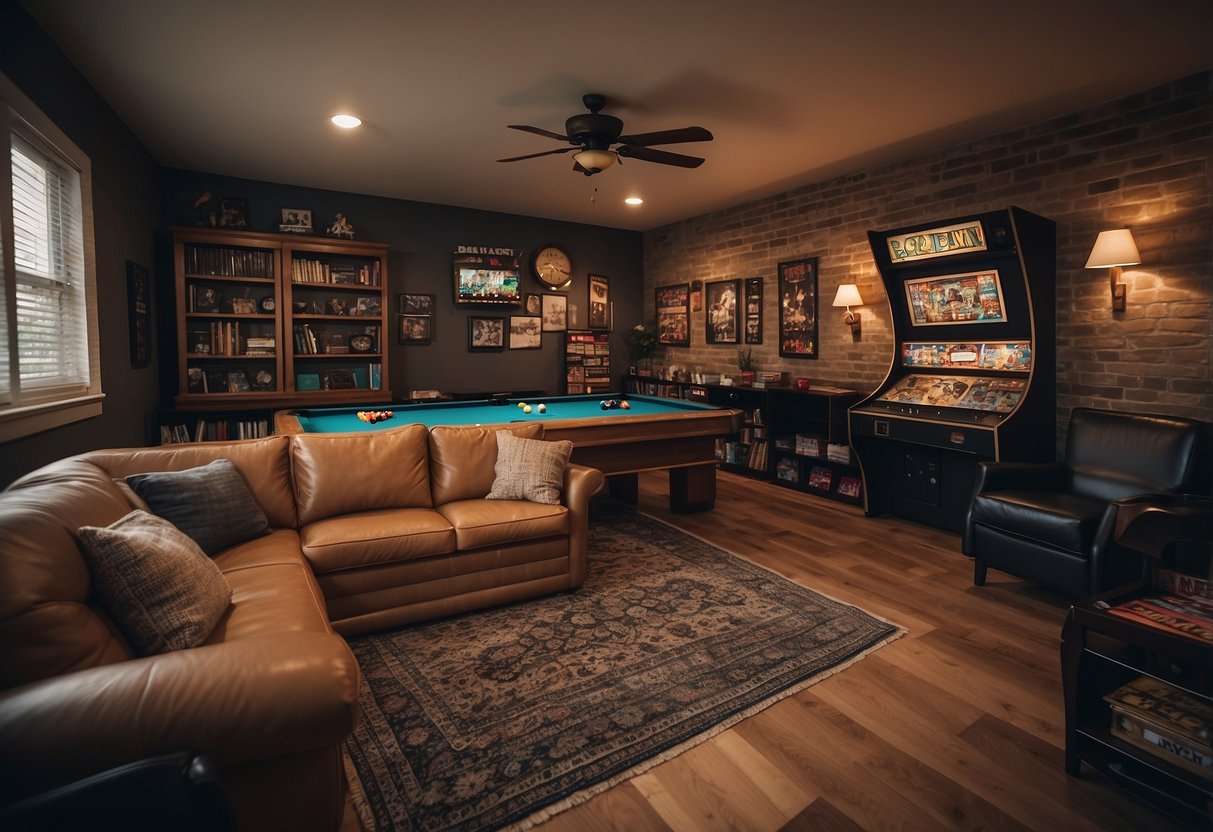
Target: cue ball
pixel 543 408
pixel 526 408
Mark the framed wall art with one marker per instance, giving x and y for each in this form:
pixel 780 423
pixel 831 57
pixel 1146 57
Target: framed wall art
pixel 753 310
pixel 555 313
pixel 599 300
pixel 526 332
pixel 532 304
pixel 798 308
pixel 415 319
pixel 674 314
pixel 722 305
pixel 486 334
pixel 296 221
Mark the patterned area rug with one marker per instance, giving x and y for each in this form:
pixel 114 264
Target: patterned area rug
pixel 507 716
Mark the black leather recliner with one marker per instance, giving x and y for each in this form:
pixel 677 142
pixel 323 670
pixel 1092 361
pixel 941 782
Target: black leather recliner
pixel 1051 523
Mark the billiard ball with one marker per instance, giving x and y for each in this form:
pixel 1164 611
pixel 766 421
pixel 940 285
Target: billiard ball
pixel 526 408
pixel 521 405
pixel 624 404
pixel 543 408
pixel 603 404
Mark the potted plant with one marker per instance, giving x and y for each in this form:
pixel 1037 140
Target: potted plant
pixel 642 343
pixel 745 363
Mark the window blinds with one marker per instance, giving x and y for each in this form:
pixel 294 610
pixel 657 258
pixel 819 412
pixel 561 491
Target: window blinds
pixel 48 254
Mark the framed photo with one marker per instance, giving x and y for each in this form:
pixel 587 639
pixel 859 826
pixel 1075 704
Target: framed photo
pixel 243 306
pixel 139 312
pixel 415 321
pixel 533 304
pixel 599 300
pixel 486 333
pixel 555 313
pixel 233 213
pixel 674 314
pixel 798 308
pixel 753 310
pixel 526 332
pixel 696 296
pixel 296 221
pixel 416 304
pixel 970 298
pixel 722 304
pixel 366 307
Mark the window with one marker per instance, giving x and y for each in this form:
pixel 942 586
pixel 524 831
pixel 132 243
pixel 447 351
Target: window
pixel 49 362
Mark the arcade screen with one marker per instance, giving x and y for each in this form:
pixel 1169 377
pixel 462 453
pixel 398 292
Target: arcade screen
pixel 1000 356
pixel 973 297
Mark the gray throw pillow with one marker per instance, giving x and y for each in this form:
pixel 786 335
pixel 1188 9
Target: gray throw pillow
pixel 160 588
pixel 529 469
pixel 211 503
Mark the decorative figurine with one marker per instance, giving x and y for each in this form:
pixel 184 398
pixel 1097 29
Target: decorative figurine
pixel 341 228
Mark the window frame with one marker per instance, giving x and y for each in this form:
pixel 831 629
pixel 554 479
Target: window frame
pixel 44 409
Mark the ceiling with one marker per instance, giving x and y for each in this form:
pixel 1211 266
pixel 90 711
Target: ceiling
pixel 794 90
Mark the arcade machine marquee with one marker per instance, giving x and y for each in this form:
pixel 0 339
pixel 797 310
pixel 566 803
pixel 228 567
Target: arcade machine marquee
pixel 972 376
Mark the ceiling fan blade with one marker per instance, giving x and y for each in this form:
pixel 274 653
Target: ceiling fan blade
pixel 686 134
pixel 539 131
pixel 661 157
pixel 544 153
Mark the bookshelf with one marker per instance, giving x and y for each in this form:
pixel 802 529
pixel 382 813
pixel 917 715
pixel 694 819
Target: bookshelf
pixel 587 362
pixel 793 438
pixel 274 320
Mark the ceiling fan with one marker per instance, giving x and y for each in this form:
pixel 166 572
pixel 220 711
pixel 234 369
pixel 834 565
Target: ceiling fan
pixel 592 134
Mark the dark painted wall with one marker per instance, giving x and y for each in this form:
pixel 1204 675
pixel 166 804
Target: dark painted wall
pixel 423 238
pixel 126 188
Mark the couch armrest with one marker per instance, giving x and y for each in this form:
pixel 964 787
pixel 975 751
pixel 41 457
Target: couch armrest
pixel 580 484
pixel 236 702
pixel 1020 476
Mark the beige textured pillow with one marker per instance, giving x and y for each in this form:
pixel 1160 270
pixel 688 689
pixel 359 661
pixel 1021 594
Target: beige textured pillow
pixel 529 469
pixel 157 584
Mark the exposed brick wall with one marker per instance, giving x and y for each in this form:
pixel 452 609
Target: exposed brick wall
pixel 1145 162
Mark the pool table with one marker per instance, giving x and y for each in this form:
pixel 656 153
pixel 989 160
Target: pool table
pixel 654 433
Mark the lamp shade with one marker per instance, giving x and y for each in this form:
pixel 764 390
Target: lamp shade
pixel 1114 248
pixel 594 160
pixel 848 295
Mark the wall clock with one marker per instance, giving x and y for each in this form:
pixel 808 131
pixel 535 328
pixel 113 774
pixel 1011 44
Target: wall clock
pixel 552 267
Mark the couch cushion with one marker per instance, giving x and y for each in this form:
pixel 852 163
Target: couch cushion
pixel 462 460
pixel 159 586
pixel 481 523
pixel 345 473
pixel 264 463
pixel 1057 518
pixel 211 503
pixel 529 469
pixel 375 537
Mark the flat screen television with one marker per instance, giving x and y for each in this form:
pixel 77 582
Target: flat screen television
pixel 485 274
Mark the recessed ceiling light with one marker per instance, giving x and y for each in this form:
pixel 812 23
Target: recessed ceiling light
pixel 634 200
pixel 347 121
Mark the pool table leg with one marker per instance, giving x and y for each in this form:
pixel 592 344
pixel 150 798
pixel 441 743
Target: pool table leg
pixel 693 489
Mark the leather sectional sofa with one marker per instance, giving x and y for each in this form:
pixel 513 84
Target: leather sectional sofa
pixel 367 532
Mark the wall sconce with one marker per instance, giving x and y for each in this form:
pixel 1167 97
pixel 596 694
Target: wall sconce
pixel 1112 250
pixel 848 296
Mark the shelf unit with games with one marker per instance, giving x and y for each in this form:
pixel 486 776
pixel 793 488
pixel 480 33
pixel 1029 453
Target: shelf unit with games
pixel 1136 663
pixel 587 362
pixel 237 323
pixel 787 435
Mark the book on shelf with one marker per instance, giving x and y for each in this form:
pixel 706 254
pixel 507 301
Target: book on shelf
pixel 810 444
pixel 1178 614
pixel 838 453
pixel 849 485
pixel 821 477
pixel 787 468
pixel 1165 721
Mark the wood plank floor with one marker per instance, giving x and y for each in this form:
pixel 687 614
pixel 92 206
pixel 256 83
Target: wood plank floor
pixel 957 725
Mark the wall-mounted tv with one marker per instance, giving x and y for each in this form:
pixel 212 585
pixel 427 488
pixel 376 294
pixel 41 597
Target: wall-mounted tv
pixel 487 274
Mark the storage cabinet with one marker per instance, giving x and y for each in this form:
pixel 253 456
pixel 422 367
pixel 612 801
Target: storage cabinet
pixel 1100 652
pixel 786 437
pixel 273 320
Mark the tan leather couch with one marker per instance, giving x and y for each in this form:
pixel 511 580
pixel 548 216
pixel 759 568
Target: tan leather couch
pixel 369 531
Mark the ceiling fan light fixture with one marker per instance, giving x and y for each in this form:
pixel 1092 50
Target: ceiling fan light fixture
pixel 346 120
pixel 595 161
